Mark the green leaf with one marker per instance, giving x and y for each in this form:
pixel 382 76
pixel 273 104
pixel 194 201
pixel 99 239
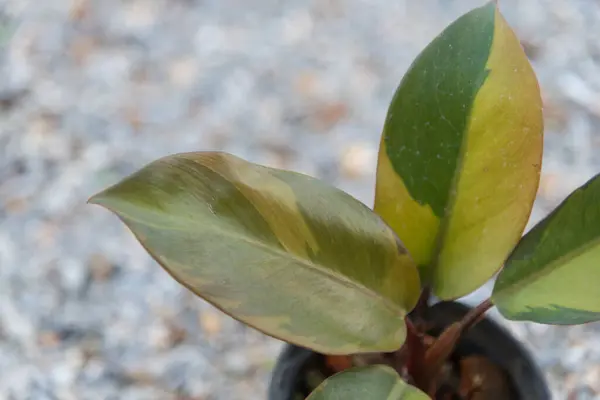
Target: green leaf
pixel 376 382
pixel 460 153
pixel 280 251
pixel 553 274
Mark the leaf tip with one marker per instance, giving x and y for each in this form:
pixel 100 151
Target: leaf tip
pixel 96 199
pixel 92 199
pixel 101 199
pixel 491 4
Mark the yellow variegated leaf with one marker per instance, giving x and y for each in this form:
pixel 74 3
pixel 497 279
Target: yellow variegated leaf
pixel 376 382
pixel 279 251
pixel 553 275
pixel 460 154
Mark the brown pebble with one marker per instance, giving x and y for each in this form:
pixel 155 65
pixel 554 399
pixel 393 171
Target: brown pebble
pixel 45 235
pixel 79 10
pixel 44 124
pixel 101 269
pixel 15 205
pixel 177 334
pixel 81 48
pixel 210 322
pixel 133 117
pixel 306 84
pixel 329 115
pixel 48 339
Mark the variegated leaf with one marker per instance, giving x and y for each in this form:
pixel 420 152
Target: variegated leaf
pixel 279 251
pixel 376 382
pixel 553 275
pixel 460 153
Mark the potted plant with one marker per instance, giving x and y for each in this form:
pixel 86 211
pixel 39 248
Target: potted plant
pixel 351 288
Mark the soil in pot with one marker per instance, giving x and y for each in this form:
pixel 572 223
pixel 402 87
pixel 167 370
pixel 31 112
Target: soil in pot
pixel 487 364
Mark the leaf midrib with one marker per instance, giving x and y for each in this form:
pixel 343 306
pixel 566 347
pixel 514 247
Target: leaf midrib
pixel 328 273
pixel 446 217
pixel 554 265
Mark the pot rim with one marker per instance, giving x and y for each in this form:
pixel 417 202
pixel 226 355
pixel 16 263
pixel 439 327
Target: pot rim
pixel 493 340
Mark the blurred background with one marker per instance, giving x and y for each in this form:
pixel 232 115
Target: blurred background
pixel 92 90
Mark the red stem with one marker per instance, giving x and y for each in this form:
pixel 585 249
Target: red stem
pixel 416 351
pixel 444 345
pixel 476 314
pixel 423 302
pixel 410 327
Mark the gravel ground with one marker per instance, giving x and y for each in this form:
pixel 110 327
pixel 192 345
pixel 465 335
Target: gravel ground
pixel 93 89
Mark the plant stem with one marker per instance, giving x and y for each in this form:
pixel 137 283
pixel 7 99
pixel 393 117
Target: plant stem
pixel 415 350
pixel 410 327
pixel 442 348
pixel 423 302
pixel 476 314
pixel 436 355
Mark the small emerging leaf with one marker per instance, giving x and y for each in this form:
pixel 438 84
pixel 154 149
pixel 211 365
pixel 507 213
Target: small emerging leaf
pixel 376 382
pixel 553 275
pixel 460 153
pixel 279 251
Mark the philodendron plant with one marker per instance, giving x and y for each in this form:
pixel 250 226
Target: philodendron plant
pixel 457 175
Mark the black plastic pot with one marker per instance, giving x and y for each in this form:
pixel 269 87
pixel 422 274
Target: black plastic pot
pixel 486 338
